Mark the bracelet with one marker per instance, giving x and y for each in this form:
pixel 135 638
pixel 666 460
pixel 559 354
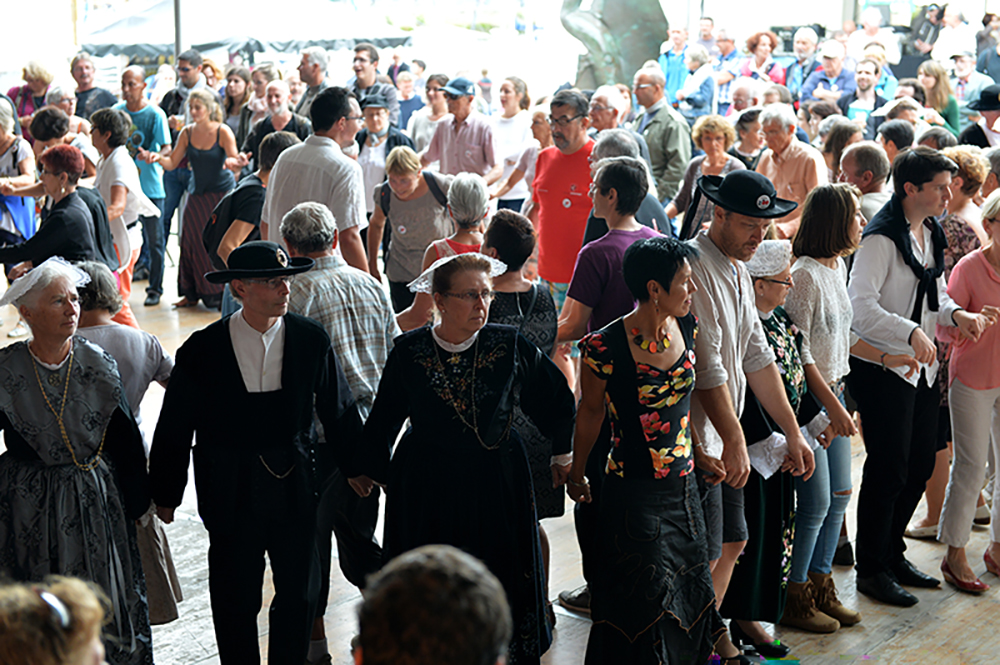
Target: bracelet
pixel 882 360
pixel 585 482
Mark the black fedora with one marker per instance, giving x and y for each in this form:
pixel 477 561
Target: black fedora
pixel 260 259
pixel 989 99
pixel 745 193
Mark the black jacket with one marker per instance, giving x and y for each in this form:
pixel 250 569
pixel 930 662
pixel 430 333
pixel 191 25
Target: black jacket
pixel 872 125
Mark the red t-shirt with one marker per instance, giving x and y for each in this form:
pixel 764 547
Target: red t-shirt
pixel 561 191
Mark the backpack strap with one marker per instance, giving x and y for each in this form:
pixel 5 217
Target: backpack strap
pixel 435 189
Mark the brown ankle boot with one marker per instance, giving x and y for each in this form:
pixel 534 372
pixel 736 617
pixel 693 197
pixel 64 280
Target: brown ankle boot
pixel 827 602
pixel 801 612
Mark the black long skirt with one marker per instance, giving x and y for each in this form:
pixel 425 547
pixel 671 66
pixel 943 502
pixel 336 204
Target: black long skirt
pixel 653 601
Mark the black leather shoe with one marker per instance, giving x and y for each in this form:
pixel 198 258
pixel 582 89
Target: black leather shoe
pixel 772 649
pixel 140 274
pixel 883 588
pixel 908 575
pixel 152 299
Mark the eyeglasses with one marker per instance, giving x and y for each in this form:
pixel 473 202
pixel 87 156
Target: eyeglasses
pixel 274 283
pixel 786 284
pixel 472 296
pixel 642 85
pixel 433 91
pixel 565 120
pixel 598 107
pixel 359 118
pixel 184 69
pixel 451 95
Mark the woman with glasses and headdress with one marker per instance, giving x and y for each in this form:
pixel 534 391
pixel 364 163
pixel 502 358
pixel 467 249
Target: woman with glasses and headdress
pixel 459 475
pixel 71 438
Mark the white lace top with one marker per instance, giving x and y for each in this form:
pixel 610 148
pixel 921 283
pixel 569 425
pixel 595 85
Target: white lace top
pixel 820 307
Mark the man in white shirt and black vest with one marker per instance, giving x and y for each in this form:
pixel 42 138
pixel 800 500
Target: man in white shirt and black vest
pixel 899 295
pixel 247 386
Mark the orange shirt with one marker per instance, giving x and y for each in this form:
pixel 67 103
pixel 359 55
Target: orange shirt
pixel 561 191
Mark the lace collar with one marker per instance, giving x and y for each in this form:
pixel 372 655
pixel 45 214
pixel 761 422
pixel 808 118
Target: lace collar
pixel 453 348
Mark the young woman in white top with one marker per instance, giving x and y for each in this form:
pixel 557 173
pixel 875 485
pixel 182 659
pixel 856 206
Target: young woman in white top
pixel 512 130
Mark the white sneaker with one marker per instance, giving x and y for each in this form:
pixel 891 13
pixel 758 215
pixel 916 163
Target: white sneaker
pixel 20 330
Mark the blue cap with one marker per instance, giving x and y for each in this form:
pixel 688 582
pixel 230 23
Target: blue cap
pixel 461 86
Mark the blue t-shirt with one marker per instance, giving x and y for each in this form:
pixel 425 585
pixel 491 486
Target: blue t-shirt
pixel 149 131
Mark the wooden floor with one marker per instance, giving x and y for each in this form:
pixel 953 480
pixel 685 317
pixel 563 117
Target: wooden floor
pixel 945 628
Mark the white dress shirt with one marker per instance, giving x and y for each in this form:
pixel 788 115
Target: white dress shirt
pixel 259 355
pixel 883 291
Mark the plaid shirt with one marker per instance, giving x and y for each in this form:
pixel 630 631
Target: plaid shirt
pixel 356 313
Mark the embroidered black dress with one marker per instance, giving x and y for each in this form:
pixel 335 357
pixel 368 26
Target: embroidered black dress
pixel 446 484
pixel 57 518
pixel 653 602
pixel 759 586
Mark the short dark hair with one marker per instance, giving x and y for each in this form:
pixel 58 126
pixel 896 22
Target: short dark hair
pixel 192 56
pixel 117 124
pixel 512 236
pixel 273 145
pixel 573 99
pixel 419 63
pixel 369 49
pixel 656 259
pixel 627 176
pixel 919 94
pixel 918 166
pixel 899 131
pixel 101 292
pixel 50 122
pixel 440 79
pixel 870 61
pixel 329 107
pixel 941 137
pixel 64 159
pixel 434 604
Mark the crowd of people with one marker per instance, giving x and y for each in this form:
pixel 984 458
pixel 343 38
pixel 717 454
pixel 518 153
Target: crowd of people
pixel 674 301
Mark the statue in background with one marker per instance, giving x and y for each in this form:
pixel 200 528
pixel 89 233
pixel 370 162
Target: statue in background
pixel 619 37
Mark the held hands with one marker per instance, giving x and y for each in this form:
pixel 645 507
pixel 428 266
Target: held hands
pixel 841 424
pixel 972 325
pixel 715 470
pixel 165 514
pixel 825 438
pixel 923 349
pixel 239 162
pixel 577 486
pixel 892 361
pixel 147 156
pixel 737 464
pixel 560 474
pixel 800 456
pixel 362 485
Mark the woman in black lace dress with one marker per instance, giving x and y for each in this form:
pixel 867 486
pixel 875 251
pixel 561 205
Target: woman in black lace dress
pixel 460 476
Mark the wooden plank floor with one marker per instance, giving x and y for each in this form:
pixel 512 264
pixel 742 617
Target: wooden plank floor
pixel 945 628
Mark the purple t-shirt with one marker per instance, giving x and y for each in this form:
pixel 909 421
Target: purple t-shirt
pixel 597 278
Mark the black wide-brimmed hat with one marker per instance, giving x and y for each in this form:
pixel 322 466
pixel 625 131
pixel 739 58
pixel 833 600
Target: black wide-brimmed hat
pixel 745 193
pixel 989 99
pixel 260 259
pixel 375 100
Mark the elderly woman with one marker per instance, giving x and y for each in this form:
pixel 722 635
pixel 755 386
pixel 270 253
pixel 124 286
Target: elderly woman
pixel 653 601
pixel 760 65
pixel 30 97
pixel 512 131
pixel 118 183
pixel 68 230
pixel 207 142
pixel 974 398
pixel 28 612
pixel 697 95
pixel 17 169
pixel 141 360
pixel 714 135
pixel 842 134
pixel 65 99
pixel 415 203
pixel 70 436
pixel 468 205
pixel 459 475
pixel 750 139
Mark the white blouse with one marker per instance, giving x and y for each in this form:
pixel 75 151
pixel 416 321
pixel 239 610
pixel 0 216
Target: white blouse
pixel 820 307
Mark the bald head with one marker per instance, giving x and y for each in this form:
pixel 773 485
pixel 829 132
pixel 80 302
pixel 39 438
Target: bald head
pixel 277 97
pixel 133 86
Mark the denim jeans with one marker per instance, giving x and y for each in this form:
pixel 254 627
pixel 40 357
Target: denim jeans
pixel 153 247
pixel 175 183
pixel 819 510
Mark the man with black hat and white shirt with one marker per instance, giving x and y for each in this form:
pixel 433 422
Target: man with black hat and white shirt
pixel 257 465
pixel 464 143
pixel 732 353
pixel 982 133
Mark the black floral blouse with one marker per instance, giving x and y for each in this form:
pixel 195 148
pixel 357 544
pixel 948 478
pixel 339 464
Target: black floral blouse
pixel 786 341
pixel 664 409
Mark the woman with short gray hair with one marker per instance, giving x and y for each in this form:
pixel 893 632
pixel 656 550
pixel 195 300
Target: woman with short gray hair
pixel 468 205
pixel 308 227
pixel 65 99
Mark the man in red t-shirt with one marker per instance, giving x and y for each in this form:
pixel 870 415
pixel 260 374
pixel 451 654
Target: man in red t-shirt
pixel 560 201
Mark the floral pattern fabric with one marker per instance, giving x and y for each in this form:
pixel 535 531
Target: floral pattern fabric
pixel 786 341
pixel 962 240
pixel 663 403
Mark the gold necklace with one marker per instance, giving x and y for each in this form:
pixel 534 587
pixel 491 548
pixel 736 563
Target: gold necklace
pixel 454 360
pixel 91 465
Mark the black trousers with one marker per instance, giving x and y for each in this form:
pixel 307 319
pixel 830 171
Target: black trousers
pixel 900 427
pixel 351 519
pixel 585 515
pixel 402 297
pixel 271 523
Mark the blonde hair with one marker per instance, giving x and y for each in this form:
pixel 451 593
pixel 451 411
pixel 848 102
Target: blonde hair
pixel 402 161
pixel 36 70
pixel 991 210
pixel 973 167
pixel 714 124
pixel 209 101
pixel 31 630
pixel 937 97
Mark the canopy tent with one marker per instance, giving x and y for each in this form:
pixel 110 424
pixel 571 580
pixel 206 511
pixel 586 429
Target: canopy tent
pixel 148 30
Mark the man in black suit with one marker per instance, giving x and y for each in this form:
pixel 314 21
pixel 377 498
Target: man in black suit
pixel 246 386
pixel 988 106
